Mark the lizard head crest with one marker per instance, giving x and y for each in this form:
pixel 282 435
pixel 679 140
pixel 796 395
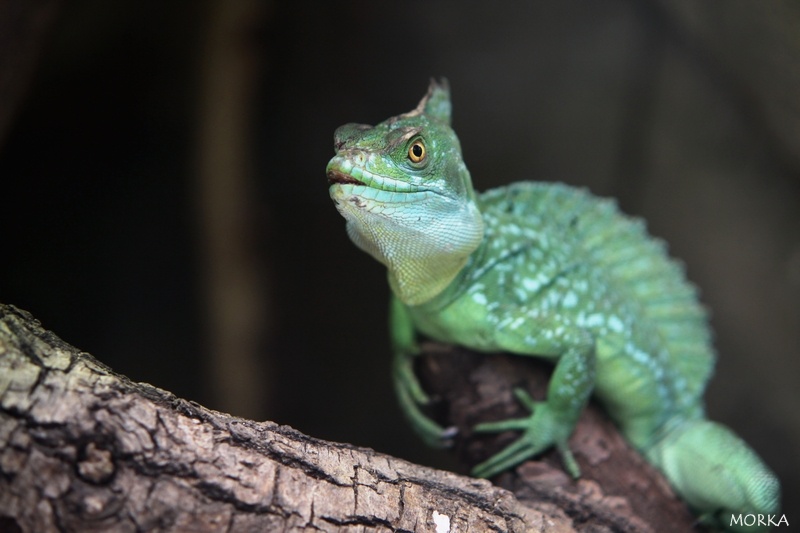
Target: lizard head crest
pixel 435 104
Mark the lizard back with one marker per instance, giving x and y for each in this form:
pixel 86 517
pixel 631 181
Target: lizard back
pixel 635 263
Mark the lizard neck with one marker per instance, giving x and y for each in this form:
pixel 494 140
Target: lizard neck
pixel 423 259
pixel 431 261
pixel 417 281
pixel 460 282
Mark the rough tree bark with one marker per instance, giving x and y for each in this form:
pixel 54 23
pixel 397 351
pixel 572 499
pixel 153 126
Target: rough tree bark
pixel 84 449
pixel 618 490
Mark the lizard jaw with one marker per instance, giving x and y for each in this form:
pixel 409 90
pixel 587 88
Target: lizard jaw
pixel 340 178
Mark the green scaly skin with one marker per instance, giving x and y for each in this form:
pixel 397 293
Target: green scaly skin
pixel 549 271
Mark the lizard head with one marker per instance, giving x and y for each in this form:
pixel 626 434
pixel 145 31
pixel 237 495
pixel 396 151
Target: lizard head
pixel 407 197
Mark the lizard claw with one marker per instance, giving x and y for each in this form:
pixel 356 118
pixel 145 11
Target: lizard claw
pixel 540 431
pixel 450 433
pixel 412 397
pixel 511 455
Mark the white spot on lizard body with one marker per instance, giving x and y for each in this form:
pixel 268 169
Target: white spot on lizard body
pixel 594 320
pixel 570 300
pixel 530 284
pixel 480 298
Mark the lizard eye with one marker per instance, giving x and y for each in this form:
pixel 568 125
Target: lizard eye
pixel 416 152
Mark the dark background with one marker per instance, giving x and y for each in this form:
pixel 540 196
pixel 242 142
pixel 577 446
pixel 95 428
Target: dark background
pixel 114 226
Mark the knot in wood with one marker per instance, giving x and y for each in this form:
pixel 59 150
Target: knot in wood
pixel 96 465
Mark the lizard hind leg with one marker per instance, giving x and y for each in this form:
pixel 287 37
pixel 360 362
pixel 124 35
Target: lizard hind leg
pixel 717 474
pixel 540 431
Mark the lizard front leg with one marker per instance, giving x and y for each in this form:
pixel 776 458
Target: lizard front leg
pixel 553 420
pixel 407 387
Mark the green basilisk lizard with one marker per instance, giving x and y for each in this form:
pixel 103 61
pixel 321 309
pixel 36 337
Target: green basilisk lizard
pixel 542 270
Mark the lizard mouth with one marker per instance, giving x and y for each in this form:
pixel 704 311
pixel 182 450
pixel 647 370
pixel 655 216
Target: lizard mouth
pixel 334 176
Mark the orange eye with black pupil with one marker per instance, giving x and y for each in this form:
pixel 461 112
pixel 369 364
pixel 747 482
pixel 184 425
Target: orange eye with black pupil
pixel 416 152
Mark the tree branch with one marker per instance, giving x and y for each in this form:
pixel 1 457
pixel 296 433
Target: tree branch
pixel 84 449
pixel 618 490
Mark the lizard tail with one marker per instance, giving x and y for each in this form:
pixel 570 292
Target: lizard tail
pixel 717 474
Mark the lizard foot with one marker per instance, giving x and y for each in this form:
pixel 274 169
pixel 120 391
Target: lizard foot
pixel 540 431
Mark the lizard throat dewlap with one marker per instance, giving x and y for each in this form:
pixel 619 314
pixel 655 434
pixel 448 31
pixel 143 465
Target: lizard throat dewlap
pixel 410 248
pixel 550 271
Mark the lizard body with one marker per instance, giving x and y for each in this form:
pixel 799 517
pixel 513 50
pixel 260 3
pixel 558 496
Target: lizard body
pixel 549 271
